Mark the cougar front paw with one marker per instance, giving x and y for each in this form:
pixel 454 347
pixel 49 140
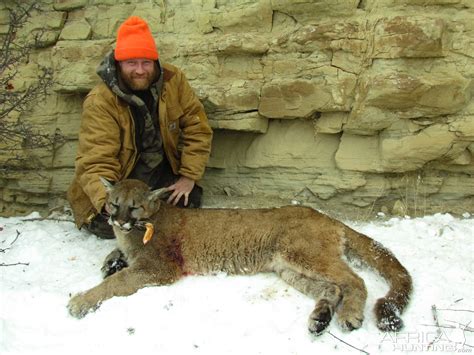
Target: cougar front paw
pixel 112 266
pixel 79 305
pixel 113 263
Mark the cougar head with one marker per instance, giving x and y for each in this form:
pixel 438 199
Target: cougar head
pixel 131 203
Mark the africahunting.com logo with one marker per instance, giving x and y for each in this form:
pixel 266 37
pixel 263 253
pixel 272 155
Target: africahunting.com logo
pixel 449 340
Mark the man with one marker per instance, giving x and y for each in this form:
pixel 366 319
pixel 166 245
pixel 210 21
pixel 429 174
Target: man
pixel 144 122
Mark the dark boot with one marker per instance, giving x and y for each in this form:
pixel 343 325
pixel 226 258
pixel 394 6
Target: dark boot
pixel 100 227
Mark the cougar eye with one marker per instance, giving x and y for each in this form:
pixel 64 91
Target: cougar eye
pixel 132 208
pixel 114 205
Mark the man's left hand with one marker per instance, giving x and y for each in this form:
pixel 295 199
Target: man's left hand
pixel 180 188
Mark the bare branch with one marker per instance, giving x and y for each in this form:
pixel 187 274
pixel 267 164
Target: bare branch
pixel 456 310
pixel 16 238
pixel 464 327
pixel 11 50
pixel 18 137
pixel 352 346
pixel 47 219
pixel 15 264
pixel 13 242
pixel 438 328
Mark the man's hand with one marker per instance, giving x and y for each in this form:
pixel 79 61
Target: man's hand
pixel 180 188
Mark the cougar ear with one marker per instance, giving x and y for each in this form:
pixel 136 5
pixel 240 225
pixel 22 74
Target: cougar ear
pixel 108 184
pixel 156 194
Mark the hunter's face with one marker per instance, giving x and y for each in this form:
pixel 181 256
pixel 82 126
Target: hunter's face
pixel 138 73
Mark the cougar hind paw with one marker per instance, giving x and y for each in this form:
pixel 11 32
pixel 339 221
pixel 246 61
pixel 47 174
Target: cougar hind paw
pixel 351 323
pixel 320 318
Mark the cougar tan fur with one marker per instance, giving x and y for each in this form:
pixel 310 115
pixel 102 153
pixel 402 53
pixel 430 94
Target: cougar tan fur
pixel 304 247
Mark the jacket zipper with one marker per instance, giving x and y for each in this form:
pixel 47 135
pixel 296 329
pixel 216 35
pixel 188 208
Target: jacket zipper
pixel 137 154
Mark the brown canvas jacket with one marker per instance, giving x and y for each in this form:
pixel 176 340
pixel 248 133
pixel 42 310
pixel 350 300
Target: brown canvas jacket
pixel 107 145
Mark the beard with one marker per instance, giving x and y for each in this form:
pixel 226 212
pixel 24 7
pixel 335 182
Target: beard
pixel 138 82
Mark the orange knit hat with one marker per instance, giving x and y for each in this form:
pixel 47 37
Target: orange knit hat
pixel 134 40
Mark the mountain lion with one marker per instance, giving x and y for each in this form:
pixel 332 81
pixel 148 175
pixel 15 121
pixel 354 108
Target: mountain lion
pixel 305 248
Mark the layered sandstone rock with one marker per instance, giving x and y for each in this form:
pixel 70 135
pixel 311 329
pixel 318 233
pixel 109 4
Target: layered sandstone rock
pixel 345 104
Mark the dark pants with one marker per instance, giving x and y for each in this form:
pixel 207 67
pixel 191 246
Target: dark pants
pixel 162 177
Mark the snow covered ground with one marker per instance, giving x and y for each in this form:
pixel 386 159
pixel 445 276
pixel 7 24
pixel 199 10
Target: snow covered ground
pixel 223 314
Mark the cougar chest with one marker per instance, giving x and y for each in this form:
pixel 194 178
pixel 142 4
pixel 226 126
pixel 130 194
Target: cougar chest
pixel 171 250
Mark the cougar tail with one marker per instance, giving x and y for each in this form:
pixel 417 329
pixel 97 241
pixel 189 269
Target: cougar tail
pixel 376 256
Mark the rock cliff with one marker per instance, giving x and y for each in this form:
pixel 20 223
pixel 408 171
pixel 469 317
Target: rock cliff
pixel 357 105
